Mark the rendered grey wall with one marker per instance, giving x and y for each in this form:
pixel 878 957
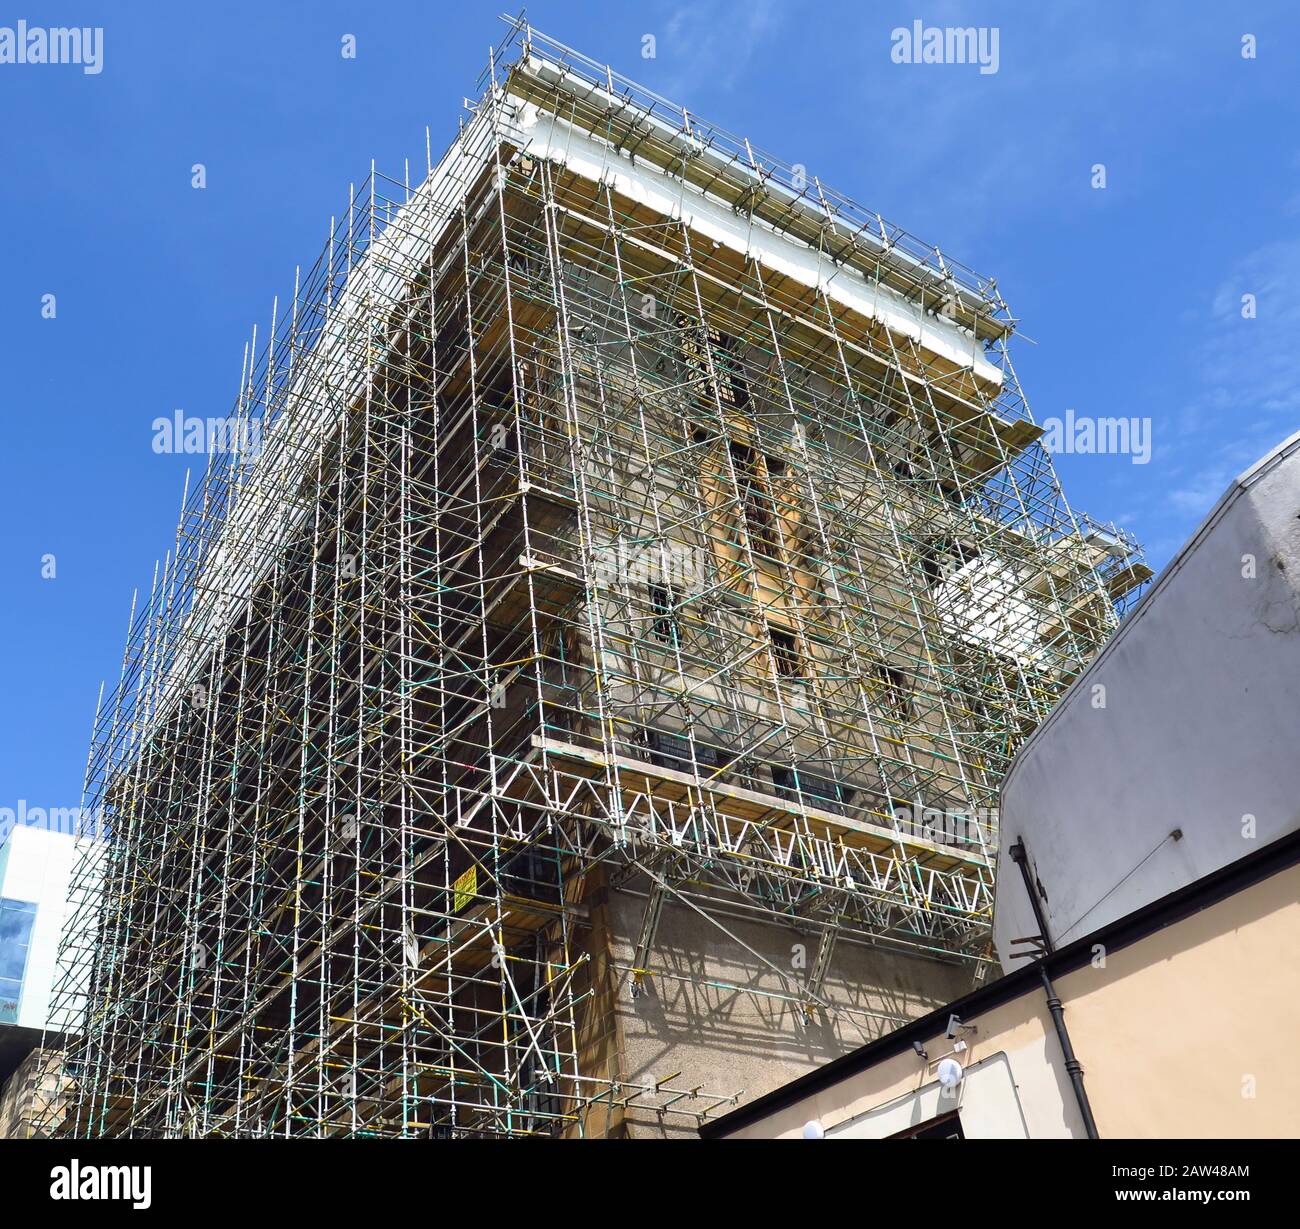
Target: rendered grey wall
pixel 1196 729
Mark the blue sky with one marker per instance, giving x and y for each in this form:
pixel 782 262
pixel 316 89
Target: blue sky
pixel 1132 293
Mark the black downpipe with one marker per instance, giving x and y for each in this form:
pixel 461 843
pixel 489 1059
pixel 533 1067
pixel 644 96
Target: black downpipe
pixel 1072 1065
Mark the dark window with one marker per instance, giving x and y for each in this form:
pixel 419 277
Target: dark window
pixel 896 695
pixel 533 874
pixel 817 791
pixel 942 558
pixel 708 347
pixel 785 651
pixel 674 751
pixel 733 387
pixel 663 602
pixel 760 516
pixel 946 1127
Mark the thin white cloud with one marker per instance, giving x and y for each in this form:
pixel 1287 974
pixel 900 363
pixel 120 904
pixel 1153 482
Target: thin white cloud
pixel 711 45
pixel 1250 398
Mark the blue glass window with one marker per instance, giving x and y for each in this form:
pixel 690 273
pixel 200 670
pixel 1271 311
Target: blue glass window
pixel 16 920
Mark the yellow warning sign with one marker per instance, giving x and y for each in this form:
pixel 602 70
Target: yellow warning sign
pixel 465 889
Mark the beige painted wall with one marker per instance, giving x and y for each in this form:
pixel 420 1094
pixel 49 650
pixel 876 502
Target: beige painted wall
pixel 1172 1028
pixel 1187 1034
pixel 1019 1031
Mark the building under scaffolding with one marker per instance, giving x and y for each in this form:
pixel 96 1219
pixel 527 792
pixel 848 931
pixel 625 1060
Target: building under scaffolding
pixel 588 705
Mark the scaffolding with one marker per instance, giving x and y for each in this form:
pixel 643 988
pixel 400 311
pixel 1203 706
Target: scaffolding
pixel 630 510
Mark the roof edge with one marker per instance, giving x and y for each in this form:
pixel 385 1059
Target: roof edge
pixel 1246 479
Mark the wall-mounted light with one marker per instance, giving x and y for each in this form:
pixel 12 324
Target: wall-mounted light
pixel 812 1129
pixel 950 1073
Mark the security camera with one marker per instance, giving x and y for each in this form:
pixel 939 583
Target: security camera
pixel 956 1026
